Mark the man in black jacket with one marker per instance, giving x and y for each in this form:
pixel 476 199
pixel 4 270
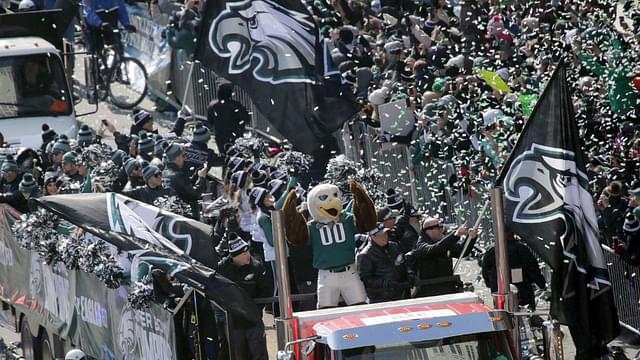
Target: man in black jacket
pixel 524 270
pixel 227 116
pixel 408 228
pixel 433 253
pixel 19 200
pixel 152 190
pixel 176 179
pixel 198 152
pixel 382 268
pixel 250 274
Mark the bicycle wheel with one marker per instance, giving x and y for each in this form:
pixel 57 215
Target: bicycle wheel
pixel 127 83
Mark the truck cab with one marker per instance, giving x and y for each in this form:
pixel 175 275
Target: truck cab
pixel 35 90
pixel 456 326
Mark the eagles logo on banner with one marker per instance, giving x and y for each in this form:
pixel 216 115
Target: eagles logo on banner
pixel 281 40
pixel 548 204
pixel 271 49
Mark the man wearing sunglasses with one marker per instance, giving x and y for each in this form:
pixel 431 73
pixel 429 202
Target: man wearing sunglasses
pixel 152 189
pixel 433 253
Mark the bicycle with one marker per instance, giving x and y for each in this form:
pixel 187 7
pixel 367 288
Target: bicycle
pixel 119 78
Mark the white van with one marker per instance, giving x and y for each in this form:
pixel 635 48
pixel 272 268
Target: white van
pixel 33 90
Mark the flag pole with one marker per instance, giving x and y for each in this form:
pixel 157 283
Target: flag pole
pixel 505 298
pixel 284 323
pixel 502 261
pixel 468 241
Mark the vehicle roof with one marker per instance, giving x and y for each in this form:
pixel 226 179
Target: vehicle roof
pixel 409 324
pixel 26 45
pixel 457 298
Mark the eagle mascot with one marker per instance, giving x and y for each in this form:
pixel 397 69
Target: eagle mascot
pixel 331 235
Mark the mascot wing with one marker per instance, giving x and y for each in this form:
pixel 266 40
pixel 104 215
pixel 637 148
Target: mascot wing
pixel 363 209
pixel 295 227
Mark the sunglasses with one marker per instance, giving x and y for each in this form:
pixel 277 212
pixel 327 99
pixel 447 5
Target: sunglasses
pixel 157 174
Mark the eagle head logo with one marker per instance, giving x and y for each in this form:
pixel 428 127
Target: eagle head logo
pixel 545 184
pixel 276 43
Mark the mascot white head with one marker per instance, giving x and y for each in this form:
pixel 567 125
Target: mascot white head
pixel 325 204
pixel 276 42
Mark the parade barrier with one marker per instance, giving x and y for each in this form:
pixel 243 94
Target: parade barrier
pixel 626 289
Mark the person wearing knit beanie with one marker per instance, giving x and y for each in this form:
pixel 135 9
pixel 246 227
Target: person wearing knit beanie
pixel 10 176
pixel 85 136
pixel 198 153
pixel 19 198
pixel 9 164
pixel 259 178
pixel 394 201
pixel 48 134
pixel 61 146
pixel 28 185
pixel 276 187
pixel 145 146
pixel 152 189
pixel 142 120
pixel 70 167
pixel 118 157
pixel 50 183
pixel 175 178
pixel 131 167
pixel 175 152
pixel 235 164
pixel 158 147
pixel 201 134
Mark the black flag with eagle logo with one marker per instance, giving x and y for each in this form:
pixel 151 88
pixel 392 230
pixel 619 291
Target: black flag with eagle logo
pixel 548 204
pixel 271 49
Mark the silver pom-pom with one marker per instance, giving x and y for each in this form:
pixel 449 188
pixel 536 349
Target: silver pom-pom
pixel 294 162
pixel 104 176
pixel 70 250
pixel 173 204
pixel 97 259
pixel 37 227
pixel 140 294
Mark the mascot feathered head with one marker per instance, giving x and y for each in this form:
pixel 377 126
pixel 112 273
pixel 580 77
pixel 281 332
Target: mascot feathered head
pixel 324 203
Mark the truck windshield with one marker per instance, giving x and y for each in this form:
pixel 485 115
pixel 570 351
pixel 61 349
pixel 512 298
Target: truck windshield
pixel 33 85
pixel 487 346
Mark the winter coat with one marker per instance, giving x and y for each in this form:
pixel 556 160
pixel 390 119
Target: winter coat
pixel 175 179
pixel 433 262
pixel 383 271
pixel 10 187
pixel 613 216
pixel 228 118
pixel 146 194
pixel 252 278
pixel 15 200
pixel 520 257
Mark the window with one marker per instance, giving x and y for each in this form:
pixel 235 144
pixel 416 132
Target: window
pixel 487 346
pixel 33 85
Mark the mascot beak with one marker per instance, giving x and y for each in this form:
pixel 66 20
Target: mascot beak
pixel 332 208
pixel 238 45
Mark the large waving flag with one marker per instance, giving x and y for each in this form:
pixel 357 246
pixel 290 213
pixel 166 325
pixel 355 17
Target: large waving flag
pixel 270 48
pixel 548 204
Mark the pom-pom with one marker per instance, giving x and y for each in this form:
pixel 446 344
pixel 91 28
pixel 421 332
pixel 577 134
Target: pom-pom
pixel 173 204
pixel 37 227
pixel 294 162
pixel 140 295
